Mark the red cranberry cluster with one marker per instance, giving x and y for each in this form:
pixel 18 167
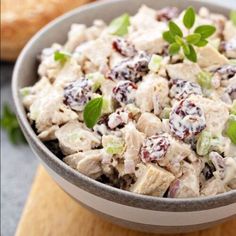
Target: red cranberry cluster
pixel 186 120
pixel 154 148
pixel 123 92
pixel 77 94
pixel 132 69
pixel 124 47
pixel 182 89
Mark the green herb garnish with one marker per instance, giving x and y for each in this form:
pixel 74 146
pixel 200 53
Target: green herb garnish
pixel 174 36
pixel 231 128
pixel 233 17
pixel 10 124
pixel 119 26
pixel 61 56
pixel 93 111
pixel 205 31
pixel 189 18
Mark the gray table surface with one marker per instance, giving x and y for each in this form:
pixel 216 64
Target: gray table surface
pixel 18 165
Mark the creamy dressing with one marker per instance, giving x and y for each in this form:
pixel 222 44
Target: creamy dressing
pixel 157 112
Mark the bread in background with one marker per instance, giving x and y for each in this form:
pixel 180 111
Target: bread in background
pixel 21 19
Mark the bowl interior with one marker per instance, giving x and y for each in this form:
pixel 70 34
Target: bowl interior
pixel 25 74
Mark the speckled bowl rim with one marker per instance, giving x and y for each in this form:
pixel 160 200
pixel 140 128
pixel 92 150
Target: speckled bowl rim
pixel 86 183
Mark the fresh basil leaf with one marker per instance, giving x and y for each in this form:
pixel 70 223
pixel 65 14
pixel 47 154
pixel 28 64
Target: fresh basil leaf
pixel 174 48
pixel 192 56
pixel 16 136
pixel 119 26
pixel 233 17
pixel 189 18
pixel 186 49
pixel 61 56
pixel 174 29
pixel 205 30
pixel 201 43
pixel 167 36
pixel 193 38
pixel 92 111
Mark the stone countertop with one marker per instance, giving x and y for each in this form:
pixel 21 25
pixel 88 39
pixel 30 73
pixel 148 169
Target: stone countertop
pixel 18 165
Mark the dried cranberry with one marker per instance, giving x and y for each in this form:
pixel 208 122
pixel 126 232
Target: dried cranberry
pixel 132 69
pixel 124 91
pixel 182 89
pixel 167 13
pixel 225 72
pixel 77 94
pixel 154 148
pixel 124 47
pixel 186 120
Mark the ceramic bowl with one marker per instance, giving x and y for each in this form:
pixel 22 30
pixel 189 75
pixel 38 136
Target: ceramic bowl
pixel 139 212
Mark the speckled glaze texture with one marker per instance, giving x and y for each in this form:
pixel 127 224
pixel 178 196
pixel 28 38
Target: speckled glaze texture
pixel 25 75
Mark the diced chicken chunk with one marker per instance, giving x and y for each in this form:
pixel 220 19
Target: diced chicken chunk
pixel 152 180
pixel 87 163
pixel 229 30
pixel 48 66
pixel 149 14
pixel 230 172
pixel 133 141
pixel 73 159
pixel 73 137
pixel 98 57
pixel 212 187
pixel 48 134
pixel 91 165
pixel 152 93
pixel 140 28
pixel 152 44
pixel 215 123
pixel 209 56
pixel 149 124
pixel 40 89
pixel 187 185
pixel 71 71
pixel 79 33
pixel 48 110
pixel 184 71
pixel 176 153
